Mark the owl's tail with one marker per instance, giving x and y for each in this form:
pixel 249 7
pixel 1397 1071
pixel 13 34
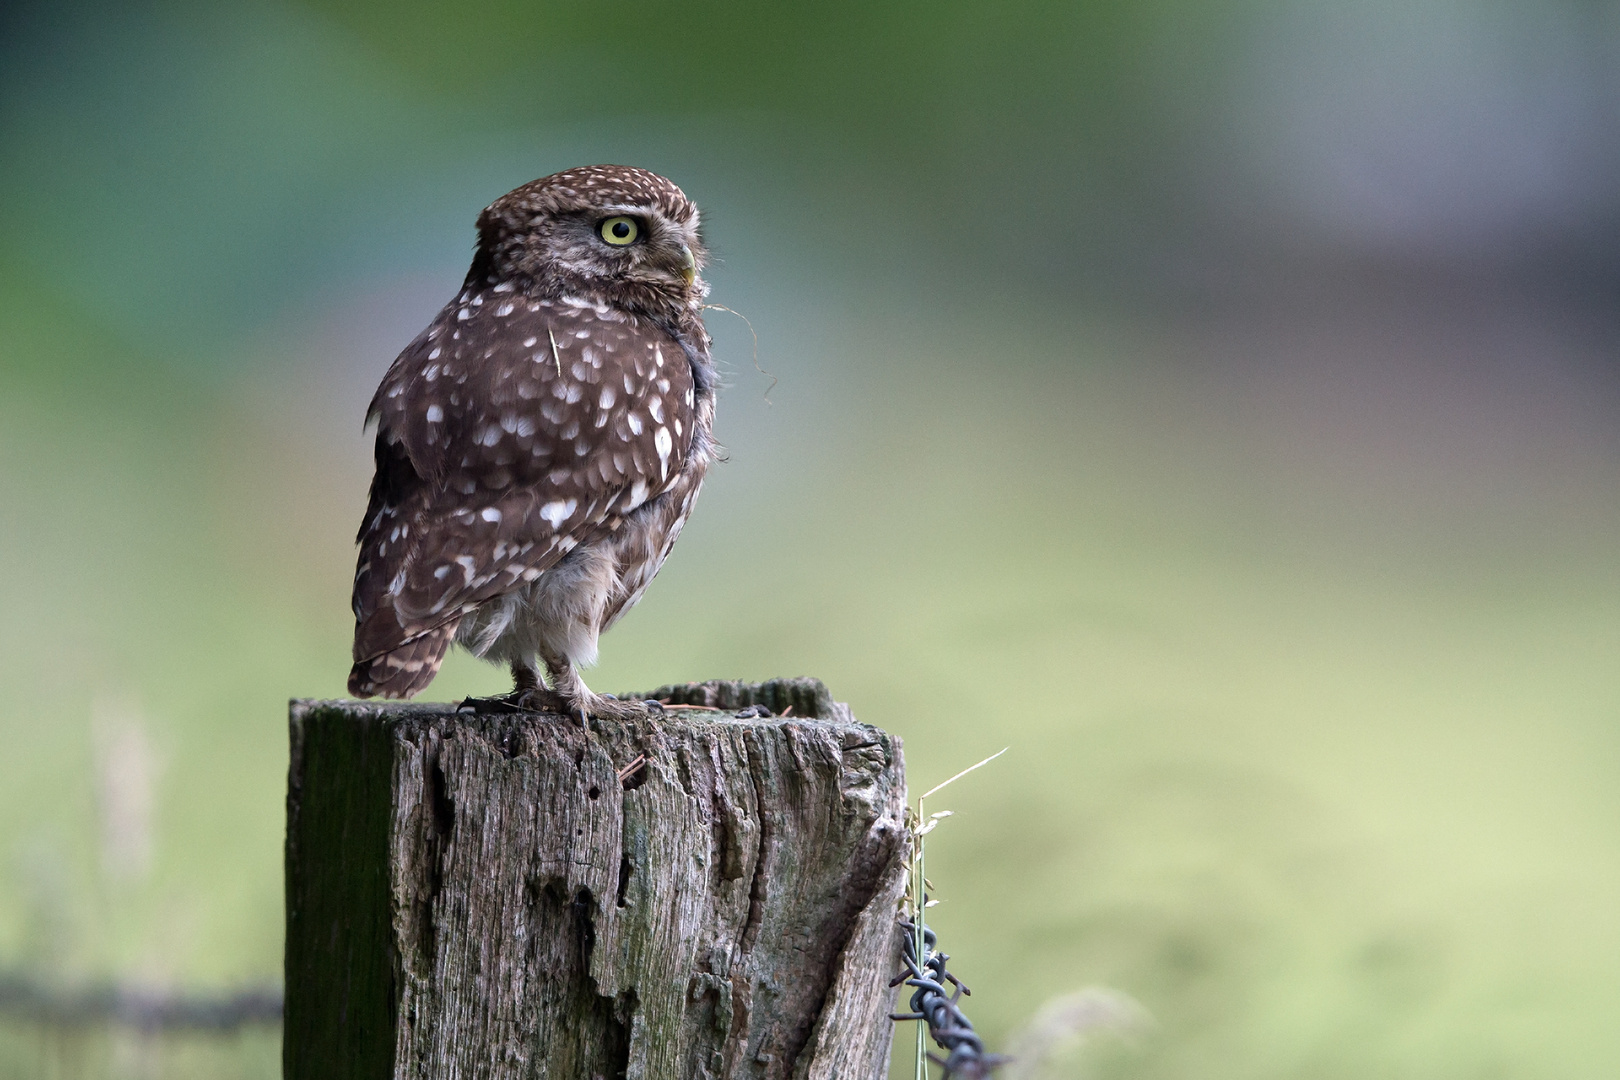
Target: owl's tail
pixel 405 671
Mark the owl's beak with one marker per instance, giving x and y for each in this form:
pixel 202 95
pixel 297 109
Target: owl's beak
pixel 688 264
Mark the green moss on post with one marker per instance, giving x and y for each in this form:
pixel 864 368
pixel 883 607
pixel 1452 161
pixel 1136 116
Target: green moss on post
pixel 501 896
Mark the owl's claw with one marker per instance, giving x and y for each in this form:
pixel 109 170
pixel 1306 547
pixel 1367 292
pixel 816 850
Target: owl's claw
pixel 608 707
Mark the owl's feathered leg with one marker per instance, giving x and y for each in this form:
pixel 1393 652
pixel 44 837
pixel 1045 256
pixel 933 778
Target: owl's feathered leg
pixel 578 698
pixel 531 693
pixel 528 695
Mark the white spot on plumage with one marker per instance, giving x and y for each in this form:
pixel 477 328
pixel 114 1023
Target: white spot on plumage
pixel 663 444
pixel 504 309
pixel 528 342
pixel 434 414
pixel 607 399
pixel 655 409
pixel 463 315
pixel 434 355
pixel 558 511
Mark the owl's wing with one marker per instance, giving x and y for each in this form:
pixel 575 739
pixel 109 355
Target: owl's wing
pixel 509 432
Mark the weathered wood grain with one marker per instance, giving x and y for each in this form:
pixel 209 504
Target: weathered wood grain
pixel 484 896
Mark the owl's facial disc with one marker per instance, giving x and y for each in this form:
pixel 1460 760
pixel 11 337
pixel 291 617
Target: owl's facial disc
pixel 623 230
pixel 641 244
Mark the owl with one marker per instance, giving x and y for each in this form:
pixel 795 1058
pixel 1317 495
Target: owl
pixel 539 446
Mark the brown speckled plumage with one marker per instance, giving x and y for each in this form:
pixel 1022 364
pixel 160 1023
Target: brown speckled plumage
pixel 540 444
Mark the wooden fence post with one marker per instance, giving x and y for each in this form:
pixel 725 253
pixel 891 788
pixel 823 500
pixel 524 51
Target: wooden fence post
pixel 518 896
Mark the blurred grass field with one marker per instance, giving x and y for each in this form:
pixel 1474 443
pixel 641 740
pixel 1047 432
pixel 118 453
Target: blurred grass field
pixel 1296 599
pixel 1327 795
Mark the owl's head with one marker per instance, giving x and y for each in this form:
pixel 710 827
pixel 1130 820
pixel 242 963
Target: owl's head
pixel 600 230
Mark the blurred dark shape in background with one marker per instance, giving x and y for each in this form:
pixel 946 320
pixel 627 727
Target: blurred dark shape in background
pixel 1216 401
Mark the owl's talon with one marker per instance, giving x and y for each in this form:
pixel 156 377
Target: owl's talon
pixel 541 701
pixel 607 707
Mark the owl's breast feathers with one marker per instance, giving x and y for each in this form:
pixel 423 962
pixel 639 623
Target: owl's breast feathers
pixel 510 431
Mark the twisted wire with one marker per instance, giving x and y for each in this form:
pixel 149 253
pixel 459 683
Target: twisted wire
pixel 148 1010
pixel 936 1005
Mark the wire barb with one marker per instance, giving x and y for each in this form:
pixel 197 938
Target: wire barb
pixel 936 1005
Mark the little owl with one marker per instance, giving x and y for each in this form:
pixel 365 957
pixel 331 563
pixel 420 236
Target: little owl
pixel 540 444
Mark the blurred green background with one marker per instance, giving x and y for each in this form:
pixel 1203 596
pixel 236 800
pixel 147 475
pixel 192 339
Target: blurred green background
pixel 1215 402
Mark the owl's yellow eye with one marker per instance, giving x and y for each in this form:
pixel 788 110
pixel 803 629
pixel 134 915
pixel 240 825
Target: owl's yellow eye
pixel 620 231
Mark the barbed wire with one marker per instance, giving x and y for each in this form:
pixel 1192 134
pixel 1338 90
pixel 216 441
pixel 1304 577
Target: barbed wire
pixel 932 1003
pixel 28 999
